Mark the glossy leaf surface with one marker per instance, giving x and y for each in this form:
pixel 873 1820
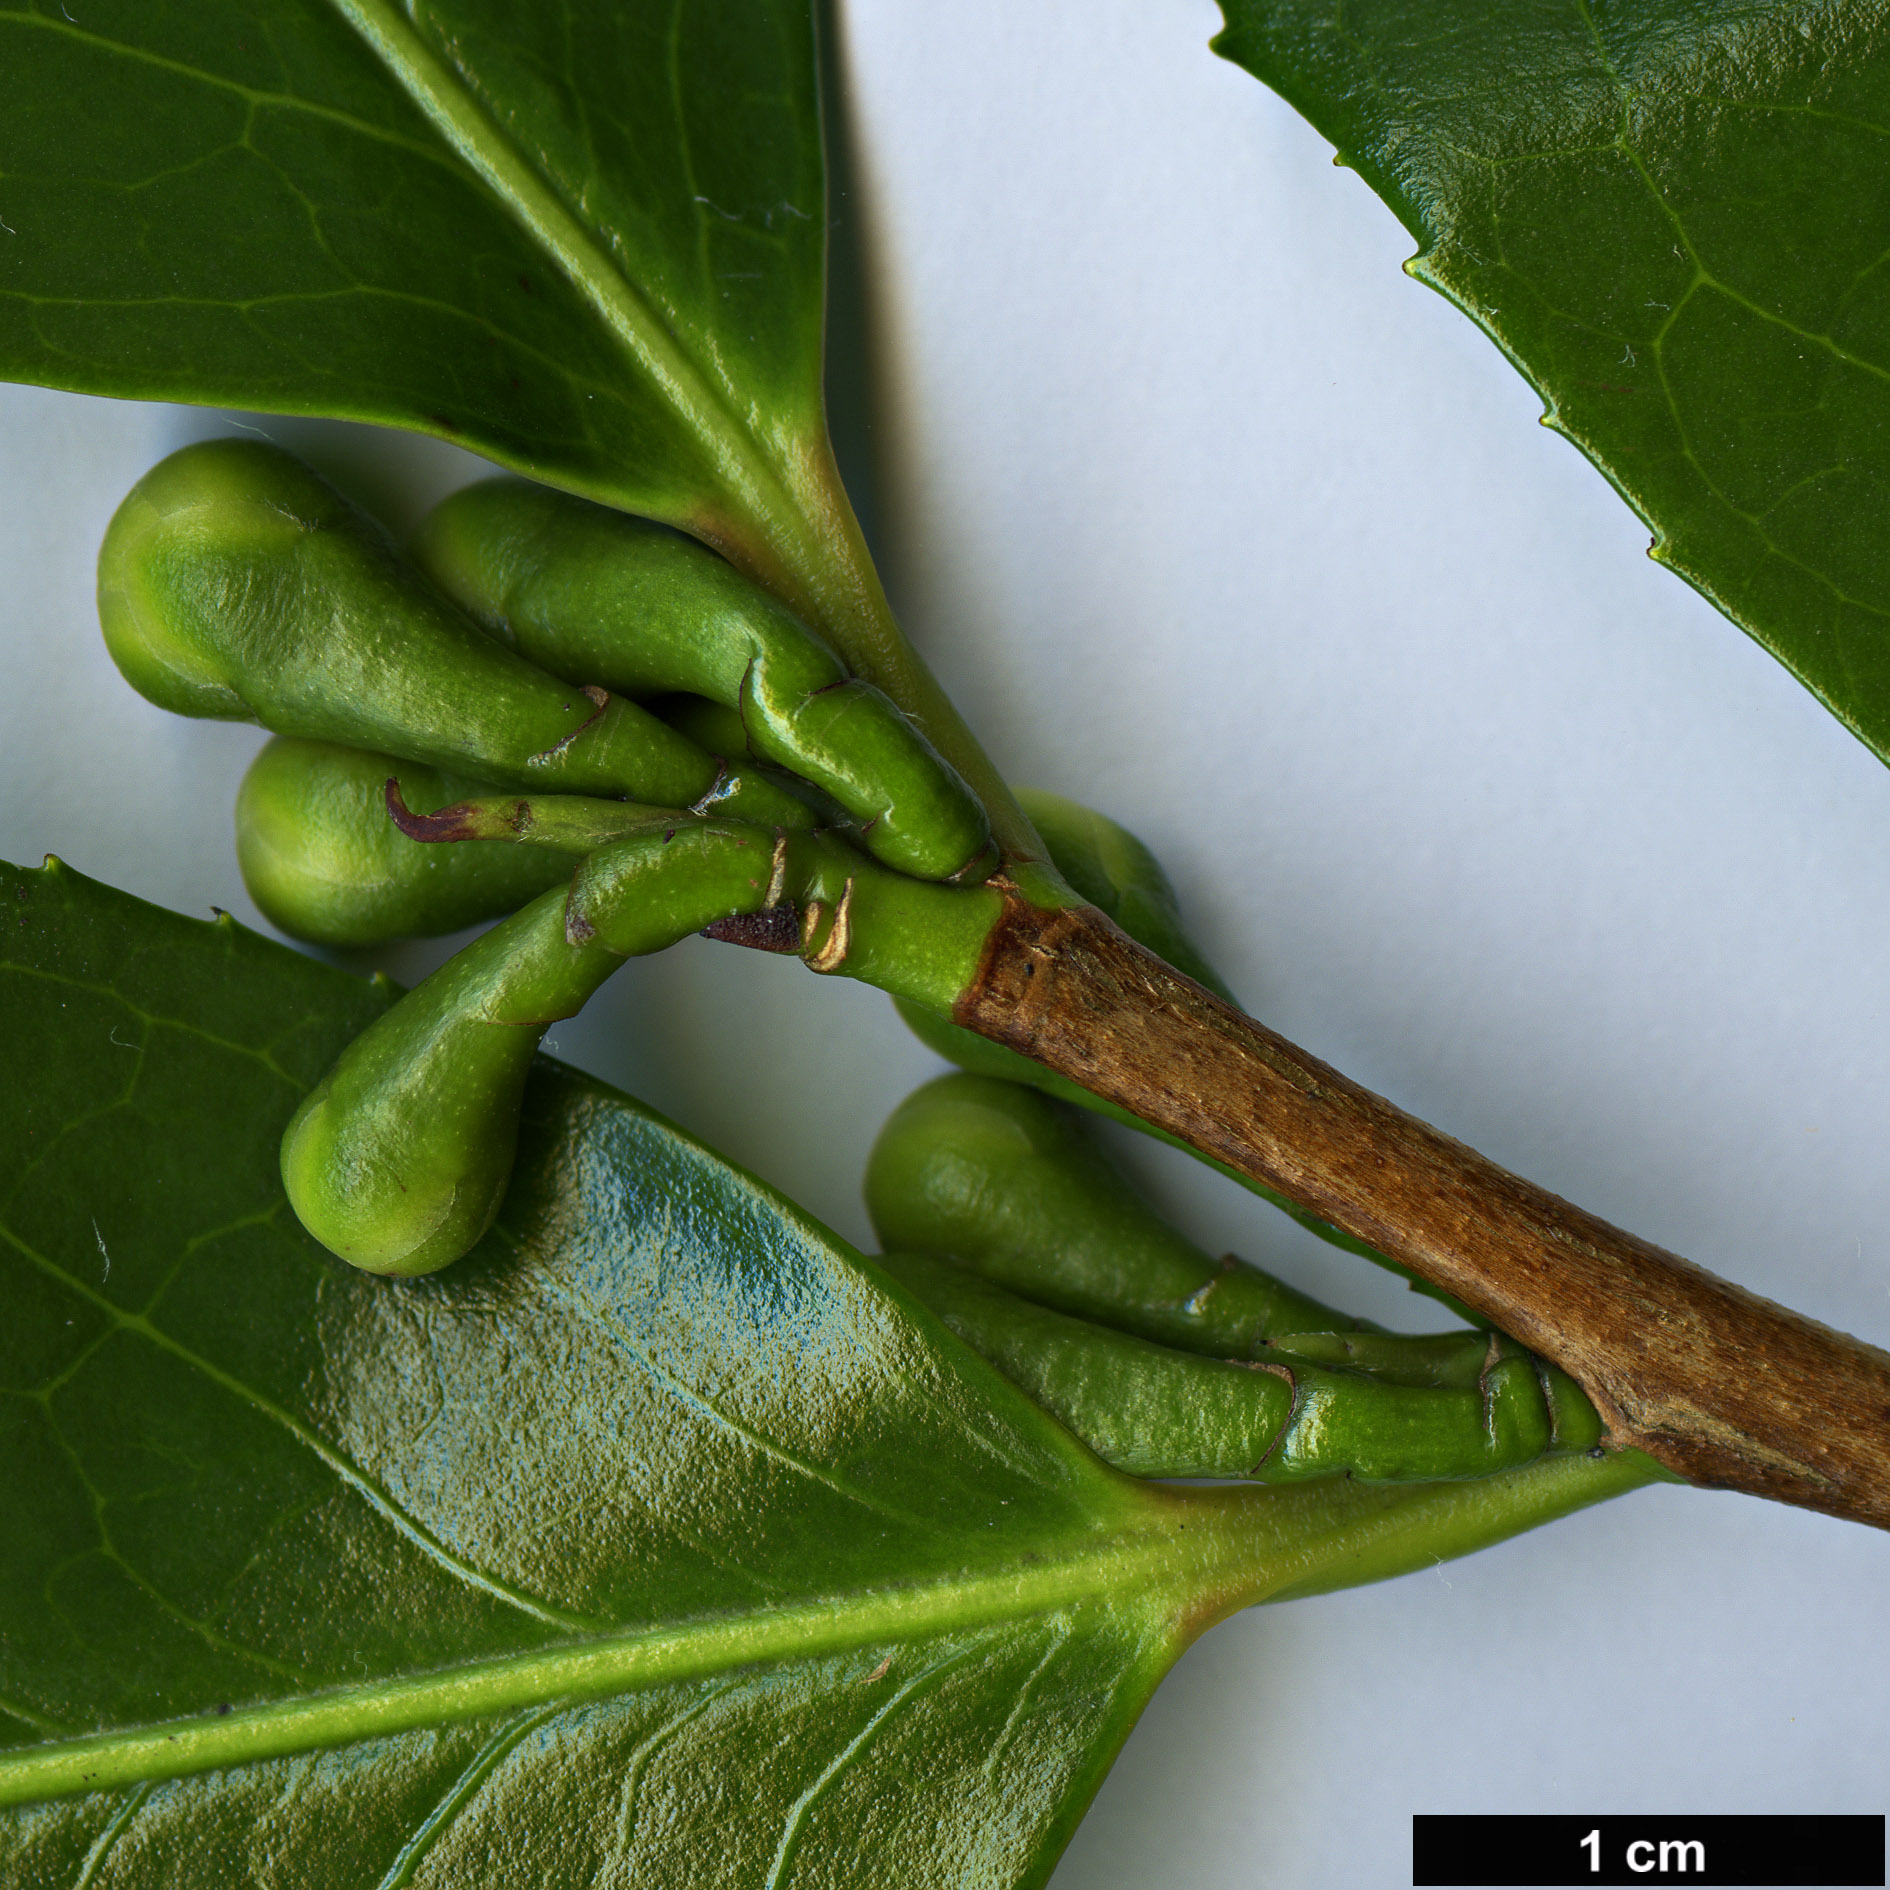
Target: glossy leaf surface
pixel 662 1540
pixel 697 1551
pixel 1671 218
pixel 587 241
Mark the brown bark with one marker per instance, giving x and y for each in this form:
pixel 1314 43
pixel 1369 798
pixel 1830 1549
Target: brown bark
pixel 1719 1385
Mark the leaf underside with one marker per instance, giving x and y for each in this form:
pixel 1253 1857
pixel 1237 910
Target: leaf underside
pixel 587 242
pixel 1675 220
pixel 660 1541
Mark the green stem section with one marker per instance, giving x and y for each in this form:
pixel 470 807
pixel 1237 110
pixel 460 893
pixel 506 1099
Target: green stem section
pixel 571 825
pixel 842 912
pixel 1442 1361
pixel 1419 1526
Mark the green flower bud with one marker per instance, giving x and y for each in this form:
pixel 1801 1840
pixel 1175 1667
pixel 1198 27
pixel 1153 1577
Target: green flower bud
pixel 587 592
pixel 1011 1184
pixel 1158 1412
pixel 233 582
pixel 325 862
pixel 398 1159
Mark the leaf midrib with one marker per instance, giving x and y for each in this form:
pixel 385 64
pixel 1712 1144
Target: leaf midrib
pixel 1149 1569
pixel 522 188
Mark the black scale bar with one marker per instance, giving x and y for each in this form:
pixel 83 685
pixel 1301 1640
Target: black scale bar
pixel 1760 1852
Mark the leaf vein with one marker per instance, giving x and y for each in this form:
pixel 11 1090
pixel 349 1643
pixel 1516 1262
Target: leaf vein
pixel 103 1844
pixel 694 1400
pixel 798 1811
pixel 377 1496
pixel 531 197
pixel 463 1791
pixel 253 95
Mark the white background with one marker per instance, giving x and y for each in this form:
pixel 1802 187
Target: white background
pixel 1211 518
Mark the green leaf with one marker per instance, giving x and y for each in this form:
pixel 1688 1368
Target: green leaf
pixel 586 242
pixel 663 1540
pixel 1670 218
